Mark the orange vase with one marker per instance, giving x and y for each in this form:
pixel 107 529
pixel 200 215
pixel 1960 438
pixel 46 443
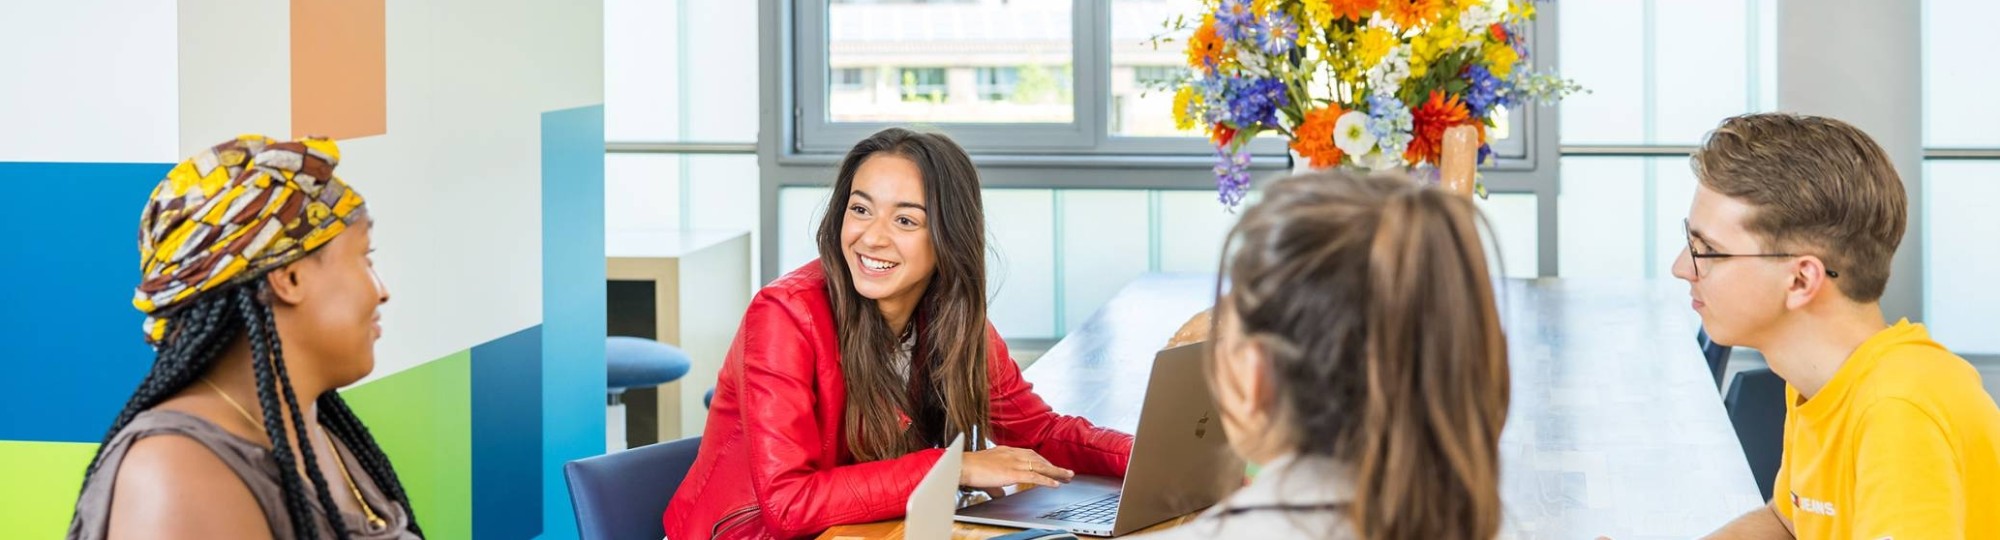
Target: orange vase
pixel 1458 166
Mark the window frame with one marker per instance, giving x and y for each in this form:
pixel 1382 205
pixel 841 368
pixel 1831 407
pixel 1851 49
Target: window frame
pixel 808 59
pixel 800 146
pixel 1088 132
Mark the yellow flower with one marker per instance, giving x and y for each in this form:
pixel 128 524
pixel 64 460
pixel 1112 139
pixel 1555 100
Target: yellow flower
pixel 1521 10
pixel 1183 108
pixel 1318 13
pixel 1447 34
pixel 1500 59
pixel 1427 47
pixel 1373 44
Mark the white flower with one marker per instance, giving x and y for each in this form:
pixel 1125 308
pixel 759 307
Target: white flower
pixel 1377 161
pixel 1251 61
pixel 1383 22
pixel 1388 75
pixel 1350 133
pixel 1478 17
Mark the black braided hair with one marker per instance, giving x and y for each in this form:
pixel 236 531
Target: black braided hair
pixel 268 360
pixel 342 423
pixel 201 330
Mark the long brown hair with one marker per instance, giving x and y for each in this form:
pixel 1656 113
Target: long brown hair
pixel 950 356
pixel 1373 299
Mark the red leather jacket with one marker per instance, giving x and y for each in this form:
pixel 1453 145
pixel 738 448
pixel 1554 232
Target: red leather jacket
pixel 773 463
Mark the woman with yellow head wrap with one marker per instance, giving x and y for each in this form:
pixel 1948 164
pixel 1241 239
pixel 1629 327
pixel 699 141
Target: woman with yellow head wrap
pixel 261 301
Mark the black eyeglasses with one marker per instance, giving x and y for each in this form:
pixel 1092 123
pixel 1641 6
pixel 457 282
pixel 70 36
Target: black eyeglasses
pixel 1695 256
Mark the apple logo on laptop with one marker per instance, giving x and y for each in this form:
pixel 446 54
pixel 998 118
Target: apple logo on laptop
pixel 1201 426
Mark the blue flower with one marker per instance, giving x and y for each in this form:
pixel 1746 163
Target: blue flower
pixel 1390 122
pixel 1277 33
pixel 1234 21
pixel 1214 92
pixel 1255 101
pixel 1484 92
pixel 1232 175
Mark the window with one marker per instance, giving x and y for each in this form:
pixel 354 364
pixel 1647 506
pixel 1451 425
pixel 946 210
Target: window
pixel 997 84
pixel 1661 74
pixel 1956 209
pixel 1143 100
pixel 853 79
pixel 924 85
pixel 662 62
pixel 904 2
pixel 1957 114
pixel 956 62
pixel 1140 72
pixel 1157 76
pixel 1065 95
pixel 1020 77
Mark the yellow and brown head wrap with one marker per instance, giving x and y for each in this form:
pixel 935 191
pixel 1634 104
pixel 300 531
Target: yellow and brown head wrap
pixel 233 212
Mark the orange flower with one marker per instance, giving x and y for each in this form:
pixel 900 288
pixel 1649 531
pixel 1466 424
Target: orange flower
pixel 1204 50
pixel 1221 135
pixel 1313 139
pixel 1356 10
pixel 1498 31
pixel 1412 13
pixel 1427 125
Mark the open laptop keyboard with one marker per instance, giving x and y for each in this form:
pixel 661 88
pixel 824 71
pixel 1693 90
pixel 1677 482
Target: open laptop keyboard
pixel 1100 511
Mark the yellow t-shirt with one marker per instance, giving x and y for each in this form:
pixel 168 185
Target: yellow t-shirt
pixel 1903 443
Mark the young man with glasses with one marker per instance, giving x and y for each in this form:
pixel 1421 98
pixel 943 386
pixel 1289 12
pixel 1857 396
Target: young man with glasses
pixel 1887 433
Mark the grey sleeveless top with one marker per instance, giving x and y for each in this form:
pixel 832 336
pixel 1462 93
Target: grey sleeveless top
pixel 251 462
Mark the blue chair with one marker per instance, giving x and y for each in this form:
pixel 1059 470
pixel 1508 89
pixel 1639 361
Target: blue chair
pixel 620 496
pixel 1756 404
pixel 1716 353
pixel 708 398
pixel 631 362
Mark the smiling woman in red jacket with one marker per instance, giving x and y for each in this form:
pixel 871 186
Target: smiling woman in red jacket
pixel 848 373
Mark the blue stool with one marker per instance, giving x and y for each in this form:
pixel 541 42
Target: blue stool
pixel 631 362
pixel 637 364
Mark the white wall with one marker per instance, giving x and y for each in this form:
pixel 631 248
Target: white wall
pixel 455 183
pixel 88 81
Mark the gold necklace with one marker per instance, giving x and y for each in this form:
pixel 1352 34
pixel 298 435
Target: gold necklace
pixel 374 521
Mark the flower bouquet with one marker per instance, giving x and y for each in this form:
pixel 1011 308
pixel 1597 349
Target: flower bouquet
pixel 1372 84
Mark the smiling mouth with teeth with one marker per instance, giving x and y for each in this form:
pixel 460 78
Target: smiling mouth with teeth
pixel 876 265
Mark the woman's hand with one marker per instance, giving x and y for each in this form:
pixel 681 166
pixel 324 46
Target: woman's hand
pixel 1002 466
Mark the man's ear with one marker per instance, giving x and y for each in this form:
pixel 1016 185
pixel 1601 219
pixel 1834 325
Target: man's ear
pixel 1808 281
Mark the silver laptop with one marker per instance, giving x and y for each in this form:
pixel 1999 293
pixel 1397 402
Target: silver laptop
pixel 1181 463
pixel 928 514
